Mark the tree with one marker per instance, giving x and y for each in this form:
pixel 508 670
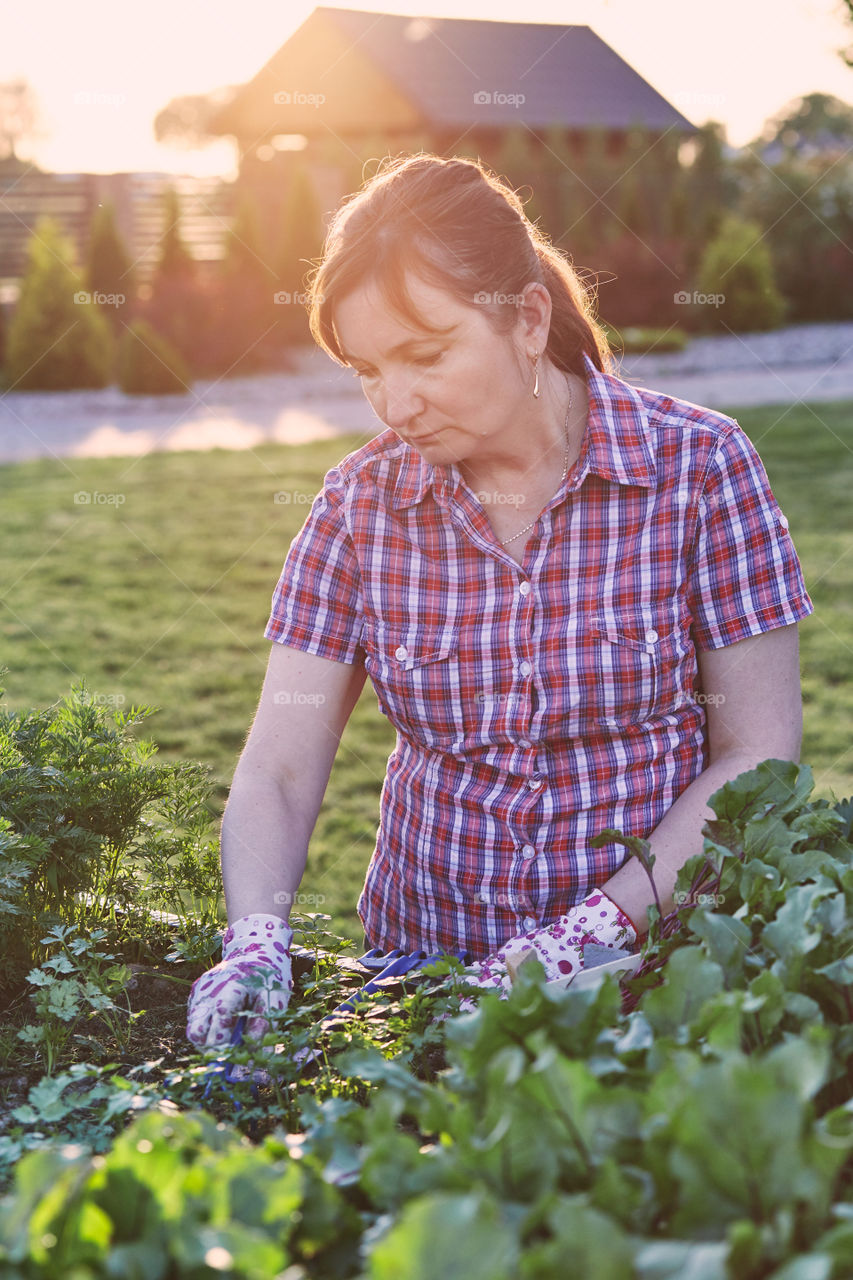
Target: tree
pixel 176 308
pixel 18 116
pixel 301 244
pixel 710 188
pixel 149 365
pixel 248 285
pixel 847 54
pixel 245 253
pixel 58 340
pixel 175 263
pixel 187 121
pixel 806 207
pixel 815 124
pixel 109 273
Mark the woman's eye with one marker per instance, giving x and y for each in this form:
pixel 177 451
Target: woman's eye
pixel 424 361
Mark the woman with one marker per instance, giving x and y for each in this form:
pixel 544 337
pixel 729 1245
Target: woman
pixel 577 602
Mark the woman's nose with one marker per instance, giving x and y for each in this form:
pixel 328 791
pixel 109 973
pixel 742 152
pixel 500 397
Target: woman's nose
pixel 397 401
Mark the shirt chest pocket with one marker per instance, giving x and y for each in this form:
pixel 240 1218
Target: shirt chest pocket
pixel 636 665
pixel 415 673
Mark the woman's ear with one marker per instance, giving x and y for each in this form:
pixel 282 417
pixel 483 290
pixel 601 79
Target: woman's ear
pixel 534 316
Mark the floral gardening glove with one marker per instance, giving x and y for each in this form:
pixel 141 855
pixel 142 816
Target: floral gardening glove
pixel 253 945
pixel 559 946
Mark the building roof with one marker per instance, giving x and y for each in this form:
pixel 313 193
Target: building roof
pixel 453 73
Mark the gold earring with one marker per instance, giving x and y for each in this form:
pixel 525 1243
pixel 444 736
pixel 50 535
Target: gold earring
pixel 536 371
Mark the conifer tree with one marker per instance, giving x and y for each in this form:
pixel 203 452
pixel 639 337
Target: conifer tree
pixel 176 308
pixel 301 245
pixel 109 272
pixel 247 319
pixel 58 340
pixel 175 262
pixel 148 364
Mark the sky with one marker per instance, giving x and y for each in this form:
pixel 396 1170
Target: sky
pixel 101 70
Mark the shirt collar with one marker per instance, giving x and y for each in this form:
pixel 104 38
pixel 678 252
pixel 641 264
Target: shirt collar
pixel 617 445
pixel 619 440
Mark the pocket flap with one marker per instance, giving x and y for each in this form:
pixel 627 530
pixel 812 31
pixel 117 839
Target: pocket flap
pixel 405 650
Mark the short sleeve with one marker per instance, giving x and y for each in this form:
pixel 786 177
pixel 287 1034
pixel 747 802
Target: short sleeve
pixel 316 605
pixel 745 575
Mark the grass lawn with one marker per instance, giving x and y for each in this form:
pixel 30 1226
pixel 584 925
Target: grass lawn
pixel 157 592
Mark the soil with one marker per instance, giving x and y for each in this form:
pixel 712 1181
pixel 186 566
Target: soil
pixel 158 993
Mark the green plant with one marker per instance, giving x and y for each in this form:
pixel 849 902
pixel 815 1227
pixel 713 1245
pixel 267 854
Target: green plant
pixel 93 829
pixel 645 340
pixel 737 268
pixel 301 242
pixel 110 274
pixel 696 1120
pixel 149 364
pixel 75 983
pixel 57 339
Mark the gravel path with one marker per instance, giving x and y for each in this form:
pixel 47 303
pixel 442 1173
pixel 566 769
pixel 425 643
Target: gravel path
pixel 319 400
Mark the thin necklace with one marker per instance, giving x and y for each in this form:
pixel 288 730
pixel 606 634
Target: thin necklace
pixel 506 541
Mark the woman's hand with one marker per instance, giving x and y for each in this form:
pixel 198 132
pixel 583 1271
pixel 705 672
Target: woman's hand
pixel 255 946
pixel 559 946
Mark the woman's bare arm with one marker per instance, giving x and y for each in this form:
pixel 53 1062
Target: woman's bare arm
pixel 281 778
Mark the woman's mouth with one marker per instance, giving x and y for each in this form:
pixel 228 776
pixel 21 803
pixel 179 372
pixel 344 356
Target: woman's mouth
pixel 423 436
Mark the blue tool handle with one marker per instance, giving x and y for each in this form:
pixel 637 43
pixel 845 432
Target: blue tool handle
pixel 377 959
pixel 402 963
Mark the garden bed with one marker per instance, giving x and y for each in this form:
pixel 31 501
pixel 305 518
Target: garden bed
pixel 696 1119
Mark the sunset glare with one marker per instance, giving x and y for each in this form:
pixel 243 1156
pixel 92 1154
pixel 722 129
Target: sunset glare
pixel 102 71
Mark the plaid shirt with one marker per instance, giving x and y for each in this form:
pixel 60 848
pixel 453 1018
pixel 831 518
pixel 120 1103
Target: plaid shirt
pixel 536 705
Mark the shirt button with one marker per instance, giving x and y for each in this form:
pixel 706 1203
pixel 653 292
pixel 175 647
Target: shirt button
pixel 401 653
pixel 525 668
pixel 525 742
pixel 783 520
pixel 534 783
pixel 651 636
pixel 528 851
pixel 524 588
pixel 530 922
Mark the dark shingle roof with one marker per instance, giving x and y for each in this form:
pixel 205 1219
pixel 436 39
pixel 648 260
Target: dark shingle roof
pixel 535 74
pixel 566 74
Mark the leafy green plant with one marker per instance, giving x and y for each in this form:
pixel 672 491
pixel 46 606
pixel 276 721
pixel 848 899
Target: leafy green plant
pixel 94 832
pixel 83 1104
pixel 76 983
pixel 694 1120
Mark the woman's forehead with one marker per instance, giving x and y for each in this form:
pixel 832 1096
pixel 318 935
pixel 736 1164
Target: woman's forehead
pixel 367 314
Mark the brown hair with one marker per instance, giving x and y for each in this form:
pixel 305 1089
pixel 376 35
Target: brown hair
pixel 460 228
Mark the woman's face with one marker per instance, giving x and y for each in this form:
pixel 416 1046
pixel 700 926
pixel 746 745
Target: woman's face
pixel 455 397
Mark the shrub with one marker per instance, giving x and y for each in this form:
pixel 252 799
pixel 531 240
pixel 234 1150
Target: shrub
pixel 57 340
pixel 737 265
pixel 642 341
pixel 92 830
pixel 149 364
